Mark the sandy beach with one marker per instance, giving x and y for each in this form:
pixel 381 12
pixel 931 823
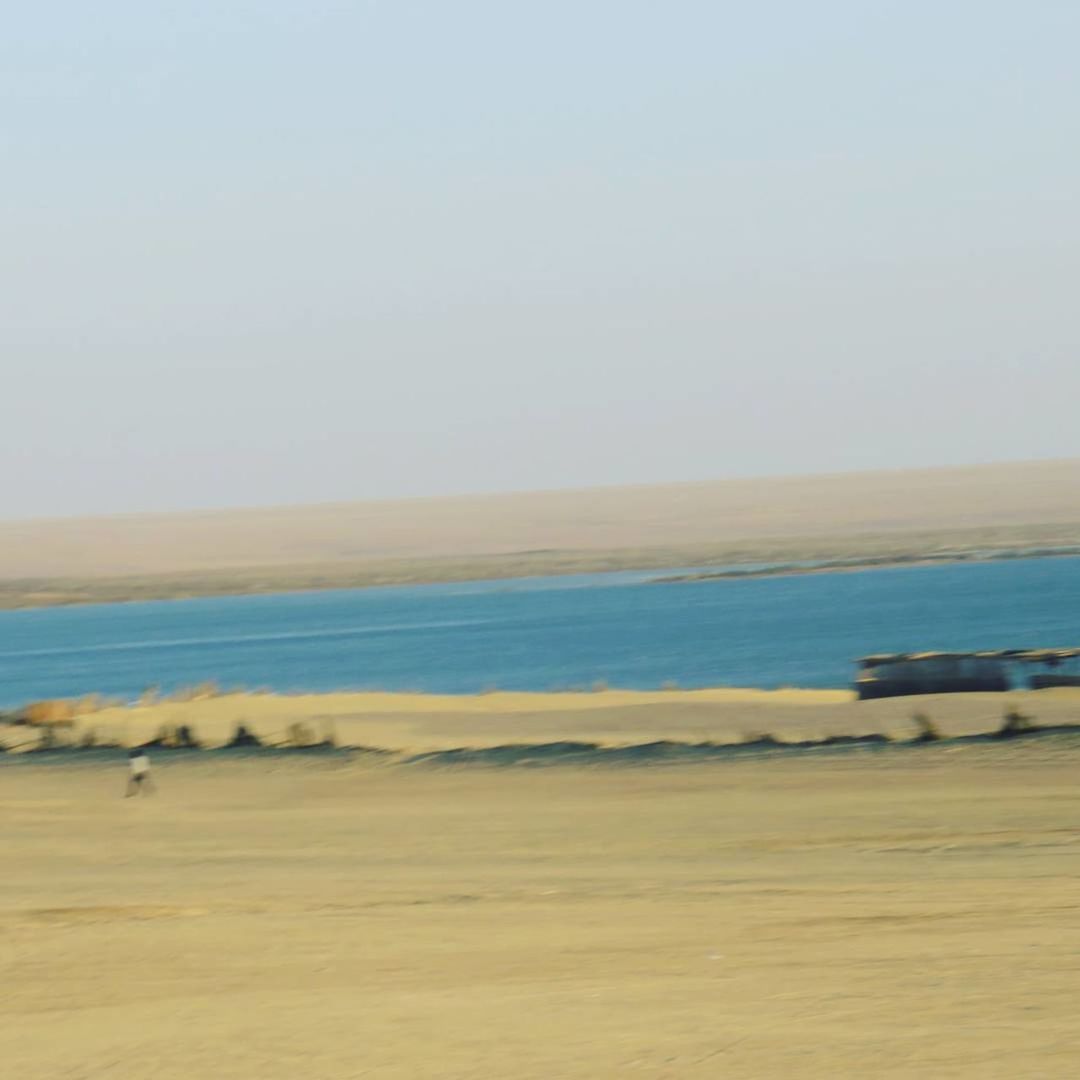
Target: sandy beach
pixel 895 913
pixel 849 917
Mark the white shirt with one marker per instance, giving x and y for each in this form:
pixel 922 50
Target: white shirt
pixel 140 765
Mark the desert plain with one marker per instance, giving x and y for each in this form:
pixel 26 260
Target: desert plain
pixel 893 911
pixel 899 514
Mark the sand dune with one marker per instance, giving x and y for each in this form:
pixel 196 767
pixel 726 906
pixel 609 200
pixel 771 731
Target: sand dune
pixel 679 516
pixel 895 916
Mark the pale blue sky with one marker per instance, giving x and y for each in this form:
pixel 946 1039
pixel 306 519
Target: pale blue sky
pixel 276 252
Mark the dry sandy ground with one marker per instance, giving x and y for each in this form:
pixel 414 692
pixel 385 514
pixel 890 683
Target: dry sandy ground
pixel 910 912
pixel 424 722
pixel 602 519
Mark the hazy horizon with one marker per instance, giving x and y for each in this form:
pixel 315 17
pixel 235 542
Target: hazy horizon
pixel 287 254
pixel 571 491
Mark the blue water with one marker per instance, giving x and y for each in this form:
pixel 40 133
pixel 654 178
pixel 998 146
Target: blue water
pixel 542 633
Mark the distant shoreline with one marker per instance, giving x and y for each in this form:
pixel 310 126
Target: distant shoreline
pixel 767 557
pixel 888 516
pixel 842 566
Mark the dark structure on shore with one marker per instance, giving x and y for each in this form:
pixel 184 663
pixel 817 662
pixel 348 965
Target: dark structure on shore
pixel 899 674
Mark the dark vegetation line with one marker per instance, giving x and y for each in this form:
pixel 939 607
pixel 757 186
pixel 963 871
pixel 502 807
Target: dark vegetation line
pixel 300 738
pixel 873 562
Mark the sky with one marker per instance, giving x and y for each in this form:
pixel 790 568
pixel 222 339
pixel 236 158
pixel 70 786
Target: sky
pixel 261 251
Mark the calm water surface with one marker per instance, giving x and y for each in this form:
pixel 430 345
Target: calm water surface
pixel 542 633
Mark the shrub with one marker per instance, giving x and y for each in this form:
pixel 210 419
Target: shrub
pixel 56 713
pixel 926 728
pixel 243 736
pixel 300 734
pixel 197 692
pixel 759 738
pixel 1014 722
pixel 185 737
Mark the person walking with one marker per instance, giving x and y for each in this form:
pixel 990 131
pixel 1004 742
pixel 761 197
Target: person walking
pixel 138 773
